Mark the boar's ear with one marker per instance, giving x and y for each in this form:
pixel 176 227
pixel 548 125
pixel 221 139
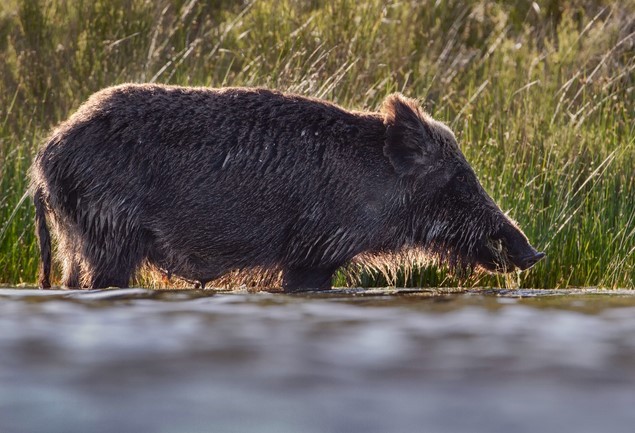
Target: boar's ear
pixel 409 144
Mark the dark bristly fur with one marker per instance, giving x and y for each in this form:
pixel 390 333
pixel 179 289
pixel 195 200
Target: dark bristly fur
pixel 202 183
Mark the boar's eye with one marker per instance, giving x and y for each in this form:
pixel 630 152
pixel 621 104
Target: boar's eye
pixel 460 178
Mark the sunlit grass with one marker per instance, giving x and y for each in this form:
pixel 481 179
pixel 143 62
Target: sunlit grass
pixel 542 100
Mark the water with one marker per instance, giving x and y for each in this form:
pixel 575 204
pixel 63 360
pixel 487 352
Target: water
pixel 350 361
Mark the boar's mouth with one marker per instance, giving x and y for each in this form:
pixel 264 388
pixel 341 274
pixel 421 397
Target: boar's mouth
pixel 507 250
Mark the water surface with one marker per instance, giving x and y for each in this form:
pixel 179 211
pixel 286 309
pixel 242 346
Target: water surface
pixel 367 361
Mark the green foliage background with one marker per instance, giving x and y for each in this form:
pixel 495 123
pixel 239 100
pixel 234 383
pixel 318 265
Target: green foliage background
pixel 541 95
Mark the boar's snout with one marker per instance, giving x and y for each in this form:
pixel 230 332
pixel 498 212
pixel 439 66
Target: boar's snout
pixel 508 249
pixel 530 260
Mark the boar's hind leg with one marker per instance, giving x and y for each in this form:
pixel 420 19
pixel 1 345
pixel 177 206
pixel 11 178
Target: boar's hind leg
pixel 102 280
pixel 108 274
pixel 68 253
pixel 70 278
pixel 303 279
pixel 110 265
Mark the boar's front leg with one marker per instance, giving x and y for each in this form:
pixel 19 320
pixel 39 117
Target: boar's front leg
pixel 304 279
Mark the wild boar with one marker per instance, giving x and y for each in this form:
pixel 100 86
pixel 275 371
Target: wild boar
pixel 200 182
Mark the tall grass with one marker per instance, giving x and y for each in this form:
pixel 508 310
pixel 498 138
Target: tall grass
pixel 541 95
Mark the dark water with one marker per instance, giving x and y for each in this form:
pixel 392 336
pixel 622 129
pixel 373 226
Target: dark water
pixel 351 361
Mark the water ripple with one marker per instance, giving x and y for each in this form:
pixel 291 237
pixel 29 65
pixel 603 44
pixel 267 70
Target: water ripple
pixel 379 360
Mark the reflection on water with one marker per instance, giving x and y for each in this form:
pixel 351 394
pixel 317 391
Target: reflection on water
pixel 349 361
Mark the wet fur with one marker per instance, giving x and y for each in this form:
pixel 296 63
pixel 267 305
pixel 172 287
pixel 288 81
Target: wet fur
pixel 214 185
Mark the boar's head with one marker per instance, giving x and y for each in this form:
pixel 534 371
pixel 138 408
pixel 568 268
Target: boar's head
pixel 446 210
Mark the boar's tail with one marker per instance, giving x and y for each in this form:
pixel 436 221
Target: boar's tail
pixel 44 238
